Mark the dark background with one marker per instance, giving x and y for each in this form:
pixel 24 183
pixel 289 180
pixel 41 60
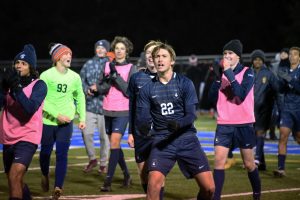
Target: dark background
pixel 190 26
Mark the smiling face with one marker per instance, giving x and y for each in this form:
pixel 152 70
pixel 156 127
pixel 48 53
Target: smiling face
pixel 149 59
pixel 100 51
pixel 230 58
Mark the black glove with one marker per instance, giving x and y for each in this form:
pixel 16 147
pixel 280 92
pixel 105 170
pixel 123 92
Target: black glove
pixel 144 129
pixel 284 75
pixel 112 67
pixel 173 126
pixel 218 71
pixel 12 79
pixel 104 85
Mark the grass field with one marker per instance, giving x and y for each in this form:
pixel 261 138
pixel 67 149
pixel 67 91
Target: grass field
pixel 177 187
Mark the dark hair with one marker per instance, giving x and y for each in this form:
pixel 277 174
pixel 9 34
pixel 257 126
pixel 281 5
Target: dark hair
pixel 121 39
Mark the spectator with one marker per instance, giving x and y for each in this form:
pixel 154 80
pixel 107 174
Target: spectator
pixel 90 73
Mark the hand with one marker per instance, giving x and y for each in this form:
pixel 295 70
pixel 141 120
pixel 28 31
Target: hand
pixel 284 75
pixel 12 78
pixel 226 63
pixel 81 125
pixel 217 71
pixel 130 140
pixel 62 119
pixel 144 129
pixel 112 67
pixel 173 126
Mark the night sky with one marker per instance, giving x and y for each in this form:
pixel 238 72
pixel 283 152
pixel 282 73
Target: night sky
pixel 190 26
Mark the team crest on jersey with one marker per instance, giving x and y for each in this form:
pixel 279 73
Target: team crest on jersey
pixel 264 80
pixel 176 95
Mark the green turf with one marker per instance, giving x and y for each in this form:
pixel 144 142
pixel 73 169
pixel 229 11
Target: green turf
pixel 177 187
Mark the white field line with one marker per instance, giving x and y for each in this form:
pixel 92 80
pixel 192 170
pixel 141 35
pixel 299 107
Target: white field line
pixel 263 192
pixel 131 196
pixel 98 197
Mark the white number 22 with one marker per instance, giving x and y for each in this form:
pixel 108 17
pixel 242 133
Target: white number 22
pixel 167 108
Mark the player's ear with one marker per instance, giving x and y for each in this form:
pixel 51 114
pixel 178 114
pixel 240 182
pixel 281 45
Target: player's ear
pixel 172 62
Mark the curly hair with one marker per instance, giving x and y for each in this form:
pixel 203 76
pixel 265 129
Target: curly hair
pixel 121 39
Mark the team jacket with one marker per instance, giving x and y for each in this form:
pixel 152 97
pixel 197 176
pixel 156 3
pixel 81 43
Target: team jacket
pixel 90 73
pixel 291 91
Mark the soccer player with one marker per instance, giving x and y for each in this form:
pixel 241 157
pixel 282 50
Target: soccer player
pixel 136 140
pixel 90 73
pixel 65 97
pixel 233 93
pixel 290 116
pixel 171 100
pixel 116 106
pixel 21 119
pixel 265 90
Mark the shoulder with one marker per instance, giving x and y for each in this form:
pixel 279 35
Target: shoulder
pixel 182 80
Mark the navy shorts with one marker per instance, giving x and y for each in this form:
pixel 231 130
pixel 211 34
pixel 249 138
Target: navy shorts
pixel 290 119
pixel 21 152
pixel 116 124
pixel 235 136
pixel 186 150
pixel 142 148
pixel 61 133
pixel 262 121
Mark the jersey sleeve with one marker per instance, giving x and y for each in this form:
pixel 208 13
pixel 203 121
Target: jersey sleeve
pixel 189 91
pixel 79 99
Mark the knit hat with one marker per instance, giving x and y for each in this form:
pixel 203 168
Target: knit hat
pixel 57 50
pixel 258 54
pixel 235 46
pixel 103 43
pixel 286 50
pixel 28 55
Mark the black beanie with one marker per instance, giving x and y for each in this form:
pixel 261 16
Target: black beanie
pixel 258 54
pixel 28 55
pixel 235 46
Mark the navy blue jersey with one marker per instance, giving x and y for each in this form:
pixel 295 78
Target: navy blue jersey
pixel 291 91
pixel 136 83
pixel 167 102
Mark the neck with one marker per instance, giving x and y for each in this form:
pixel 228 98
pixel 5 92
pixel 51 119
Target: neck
pixel 120 60
pixel 165 77
pixel 60 68
pixel 294 66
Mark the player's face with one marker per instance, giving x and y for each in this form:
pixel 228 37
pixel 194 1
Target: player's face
pixel 120 51
pixel 231 57
pixel 294 57
pixel 100 51
pixel 163 61
pixel 66 59
pixel 149 59
pixel 257 63
pixel 22 67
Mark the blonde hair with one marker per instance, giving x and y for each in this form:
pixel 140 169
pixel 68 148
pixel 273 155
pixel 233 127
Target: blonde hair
pixel 167 47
